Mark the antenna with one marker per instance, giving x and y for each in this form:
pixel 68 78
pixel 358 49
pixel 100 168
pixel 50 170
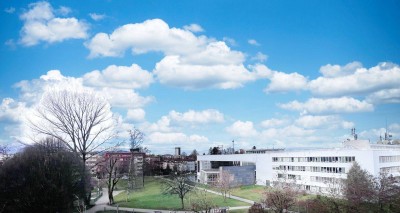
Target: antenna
pixel 233 146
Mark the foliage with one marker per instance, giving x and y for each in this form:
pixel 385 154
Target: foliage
pixel 358 188
pixel 42 178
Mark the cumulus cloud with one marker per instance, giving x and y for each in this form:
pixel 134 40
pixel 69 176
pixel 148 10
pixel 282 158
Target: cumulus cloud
pixel 133 77
pixel 384 96
pixel 151 35
pixel 174 72
pixel 242 129
pixel 283 82
pixel 353 79
pixel 253 42
pixel 374 134
pixel 137 114
pixel 97 17
pixel 40 24
pixel 323 121
pixel 197 117
pixel 329 106
pixel 274 123
pixel 11 110
pixel 125 98
pixel 190 61
pixel 193 28
pixel 175 137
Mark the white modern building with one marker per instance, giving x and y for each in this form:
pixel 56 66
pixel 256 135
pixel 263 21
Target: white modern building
pixel 314 169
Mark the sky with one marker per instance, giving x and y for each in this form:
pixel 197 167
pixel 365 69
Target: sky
pixel 198 74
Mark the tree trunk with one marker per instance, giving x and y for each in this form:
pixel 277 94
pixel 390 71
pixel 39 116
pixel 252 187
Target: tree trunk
pixel 110 197
pixel 183 205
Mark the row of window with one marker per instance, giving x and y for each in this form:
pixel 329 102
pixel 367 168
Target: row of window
pixel 289 176
pixel 311 169
pixel 386 159
pixel 331 180
pixel 389 170
pixel 333 159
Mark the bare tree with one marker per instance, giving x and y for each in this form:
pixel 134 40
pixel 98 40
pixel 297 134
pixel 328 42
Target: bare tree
pixel 282 196
pixel 136 138
pixel 225 183
pixel 114 169
pixel 81 120
pixel 201 201
pixel 178 185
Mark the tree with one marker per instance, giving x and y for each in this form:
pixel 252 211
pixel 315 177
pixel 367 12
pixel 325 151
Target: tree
pixel 136 138
pixel 358 188
pixel 256 208
pixel 202 202
pixel 194 153
pixel 114 168
pixel 81 120
pixel 387 191
pixel 44 177
pixel 177 184
pixel 225 183
pixel 282 196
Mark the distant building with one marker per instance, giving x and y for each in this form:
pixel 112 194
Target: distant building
pixel 313 170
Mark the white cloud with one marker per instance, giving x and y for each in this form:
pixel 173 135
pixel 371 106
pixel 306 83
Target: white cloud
pixel 329 106
pixel 137 114
pixel 274 123
pixel 133 77
pixel 97 17
pixel 337 70
pixel 175 137
pixel 253 42
pixel 242 129
pixel 260 57
pixel 327 122
pixel 40 24
pixel 355 80
pixel 384 96
pixel 193 28
pixel 229 41
pixel 190 62
pixel 197 117
pixel 64 10
pixel 174 72
pixel 151 35
pixel 11 110
pixel 125 98
pixel 9 10
pixel 283 82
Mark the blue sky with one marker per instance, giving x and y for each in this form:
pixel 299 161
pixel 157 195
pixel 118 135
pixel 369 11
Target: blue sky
pixel 197 74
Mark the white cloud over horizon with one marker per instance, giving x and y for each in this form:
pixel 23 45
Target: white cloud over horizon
pixel 329 106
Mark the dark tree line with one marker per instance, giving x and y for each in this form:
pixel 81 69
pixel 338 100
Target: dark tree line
pixel 42 178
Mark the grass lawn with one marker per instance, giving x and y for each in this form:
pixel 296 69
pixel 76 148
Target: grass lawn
pixel 251 192
pixel 151 197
